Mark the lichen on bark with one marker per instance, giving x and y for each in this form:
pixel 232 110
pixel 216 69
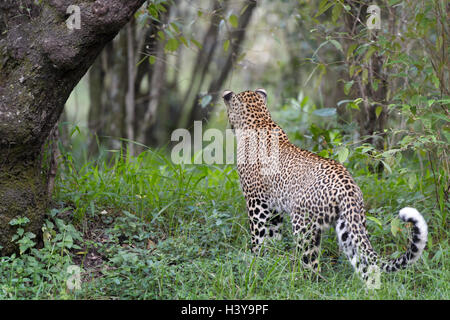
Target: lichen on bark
pixel 22 193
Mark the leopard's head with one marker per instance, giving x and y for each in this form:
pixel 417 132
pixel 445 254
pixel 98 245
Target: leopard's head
pixel 247 109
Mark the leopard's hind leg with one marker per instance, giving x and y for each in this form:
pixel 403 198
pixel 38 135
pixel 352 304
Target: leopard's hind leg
pixel 274 225
pixel 308 235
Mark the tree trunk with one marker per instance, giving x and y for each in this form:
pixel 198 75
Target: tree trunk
pixel 237 38
pixel 108 96
pixel 125 58
pixel 96 93
pixel 41 61
pixel 157 81
pixel 129 99
pixel 202 65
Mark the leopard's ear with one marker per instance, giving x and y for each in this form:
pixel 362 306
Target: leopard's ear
pixel 227 94
pixel 262 93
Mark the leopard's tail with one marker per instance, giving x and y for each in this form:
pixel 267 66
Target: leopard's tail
pixel 356 245
pixel 416 244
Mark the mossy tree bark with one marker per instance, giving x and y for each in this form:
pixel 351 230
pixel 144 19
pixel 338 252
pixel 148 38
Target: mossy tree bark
pixel 41 61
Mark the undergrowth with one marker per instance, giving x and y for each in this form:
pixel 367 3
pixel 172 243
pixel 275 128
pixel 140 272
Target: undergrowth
pixel 143 228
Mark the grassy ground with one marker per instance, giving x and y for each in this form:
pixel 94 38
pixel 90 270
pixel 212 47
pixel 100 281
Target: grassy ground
pixel 146 229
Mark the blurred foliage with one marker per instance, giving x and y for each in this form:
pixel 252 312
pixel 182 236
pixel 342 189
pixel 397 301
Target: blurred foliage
pixel 152 229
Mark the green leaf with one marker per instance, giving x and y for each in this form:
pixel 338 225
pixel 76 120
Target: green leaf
pixel 198 44
pixel 226 45
pixel 172 44
pixel 378 111
pixel 406 141
pixel 325 112
pixel 369 53
pixel 353 105
pixel 337 45
pixel 351 70
pixel 365 75
pixel 175 27
pixel 366 148
pixel 183 39
pixel 336 12
pixel 323 6
pixel 386 166
pixel 152 59
pixel 243 10
pixel 342 154
pixel 347 87
pixel 304 101
pixel 324 153
pixel 377 221
pixel 161 8
pixel 395 226
pixel 350 50
pixel 19 221
pixel 233 21
pixel 153 12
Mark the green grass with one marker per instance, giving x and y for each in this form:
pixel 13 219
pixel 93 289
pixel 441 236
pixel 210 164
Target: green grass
pixel 144 228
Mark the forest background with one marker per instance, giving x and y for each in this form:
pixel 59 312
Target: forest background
pixel 139 226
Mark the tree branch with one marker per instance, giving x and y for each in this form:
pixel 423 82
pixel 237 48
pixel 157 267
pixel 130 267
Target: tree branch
pixel 41 61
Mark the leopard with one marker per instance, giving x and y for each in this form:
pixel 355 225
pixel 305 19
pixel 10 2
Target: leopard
pixel 278 177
